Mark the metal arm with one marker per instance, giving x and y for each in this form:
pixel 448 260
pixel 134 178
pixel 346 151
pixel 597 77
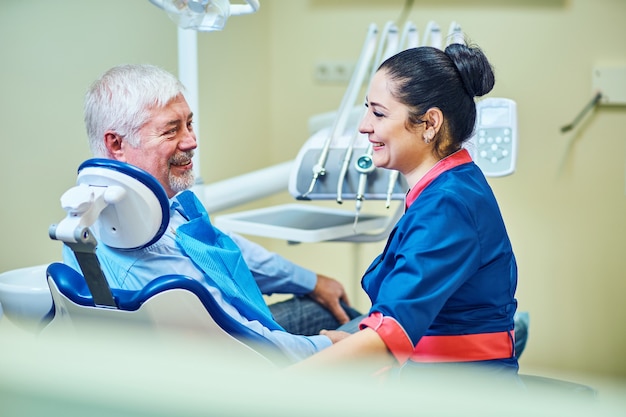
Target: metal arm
pixel 83 205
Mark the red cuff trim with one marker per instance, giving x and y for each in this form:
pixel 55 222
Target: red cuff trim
pixel 392 334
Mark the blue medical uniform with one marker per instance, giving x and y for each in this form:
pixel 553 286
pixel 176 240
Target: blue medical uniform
pixel 448 269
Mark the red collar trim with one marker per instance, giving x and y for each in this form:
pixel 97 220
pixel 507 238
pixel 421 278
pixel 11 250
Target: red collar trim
pixel 458 158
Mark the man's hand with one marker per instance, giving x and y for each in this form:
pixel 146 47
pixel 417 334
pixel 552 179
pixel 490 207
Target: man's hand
pixel 329 292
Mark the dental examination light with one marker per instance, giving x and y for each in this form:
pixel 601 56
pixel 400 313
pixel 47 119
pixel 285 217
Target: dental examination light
pixel 204 15
pixel 192 16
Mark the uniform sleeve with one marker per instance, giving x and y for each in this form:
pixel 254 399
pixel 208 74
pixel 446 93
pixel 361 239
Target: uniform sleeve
pixel 432 253
pixel 392 334
pixel 272 272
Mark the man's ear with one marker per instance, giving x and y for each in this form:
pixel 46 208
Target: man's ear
pixel 113 143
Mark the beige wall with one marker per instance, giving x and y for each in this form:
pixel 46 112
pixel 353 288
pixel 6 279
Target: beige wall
pixel 564 206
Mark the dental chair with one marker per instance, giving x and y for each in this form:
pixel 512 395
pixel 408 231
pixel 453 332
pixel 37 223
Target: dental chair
pixel 130 209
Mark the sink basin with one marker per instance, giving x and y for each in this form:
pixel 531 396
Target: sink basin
pixel 25 296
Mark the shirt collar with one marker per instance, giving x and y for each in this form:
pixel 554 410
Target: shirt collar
pixel 175 206
pixel 458 158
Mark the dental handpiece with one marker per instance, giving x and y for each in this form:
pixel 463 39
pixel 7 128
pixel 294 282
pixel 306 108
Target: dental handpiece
pixel 342 174
pixel 359 197
pixel 393 178
pixel 365 165
pixel 318 170
pixel 360 193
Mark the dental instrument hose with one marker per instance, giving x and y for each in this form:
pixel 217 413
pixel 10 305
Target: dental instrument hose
pixel 393 178
pixel 319 169
pixel 387 46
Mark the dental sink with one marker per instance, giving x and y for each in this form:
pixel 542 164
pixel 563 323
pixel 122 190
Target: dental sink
pixel 25 296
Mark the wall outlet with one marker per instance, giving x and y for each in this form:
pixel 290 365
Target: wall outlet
pixel 333 71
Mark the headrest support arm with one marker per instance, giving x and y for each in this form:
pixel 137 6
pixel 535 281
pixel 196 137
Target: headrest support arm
pixel 85 252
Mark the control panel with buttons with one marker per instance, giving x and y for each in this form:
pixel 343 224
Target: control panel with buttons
pixel 494 144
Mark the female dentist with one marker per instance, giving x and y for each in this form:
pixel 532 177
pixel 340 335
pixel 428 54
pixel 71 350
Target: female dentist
pixel 443 290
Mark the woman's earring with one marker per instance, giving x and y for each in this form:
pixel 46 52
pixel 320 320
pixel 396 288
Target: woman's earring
pixel 429 135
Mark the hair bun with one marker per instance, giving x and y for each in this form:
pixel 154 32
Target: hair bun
pixel 473 67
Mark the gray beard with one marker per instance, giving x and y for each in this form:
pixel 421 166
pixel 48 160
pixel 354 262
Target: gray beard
pixel 181 183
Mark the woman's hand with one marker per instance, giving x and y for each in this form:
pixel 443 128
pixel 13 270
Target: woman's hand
pixel 335 335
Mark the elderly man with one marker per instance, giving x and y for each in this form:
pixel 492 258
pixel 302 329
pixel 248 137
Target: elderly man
pixel 138 114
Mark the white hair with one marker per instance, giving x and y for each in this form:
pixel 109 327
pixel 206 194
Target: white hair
pixel 120 101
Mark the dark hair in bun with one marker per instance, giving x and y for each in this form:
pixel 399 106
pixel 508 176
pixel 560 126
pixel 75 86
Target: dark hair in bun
pixel 473 67
pixel 427 77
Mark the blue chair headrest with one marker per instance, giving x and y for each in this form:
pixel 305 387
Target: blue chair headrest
pixel 141 217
